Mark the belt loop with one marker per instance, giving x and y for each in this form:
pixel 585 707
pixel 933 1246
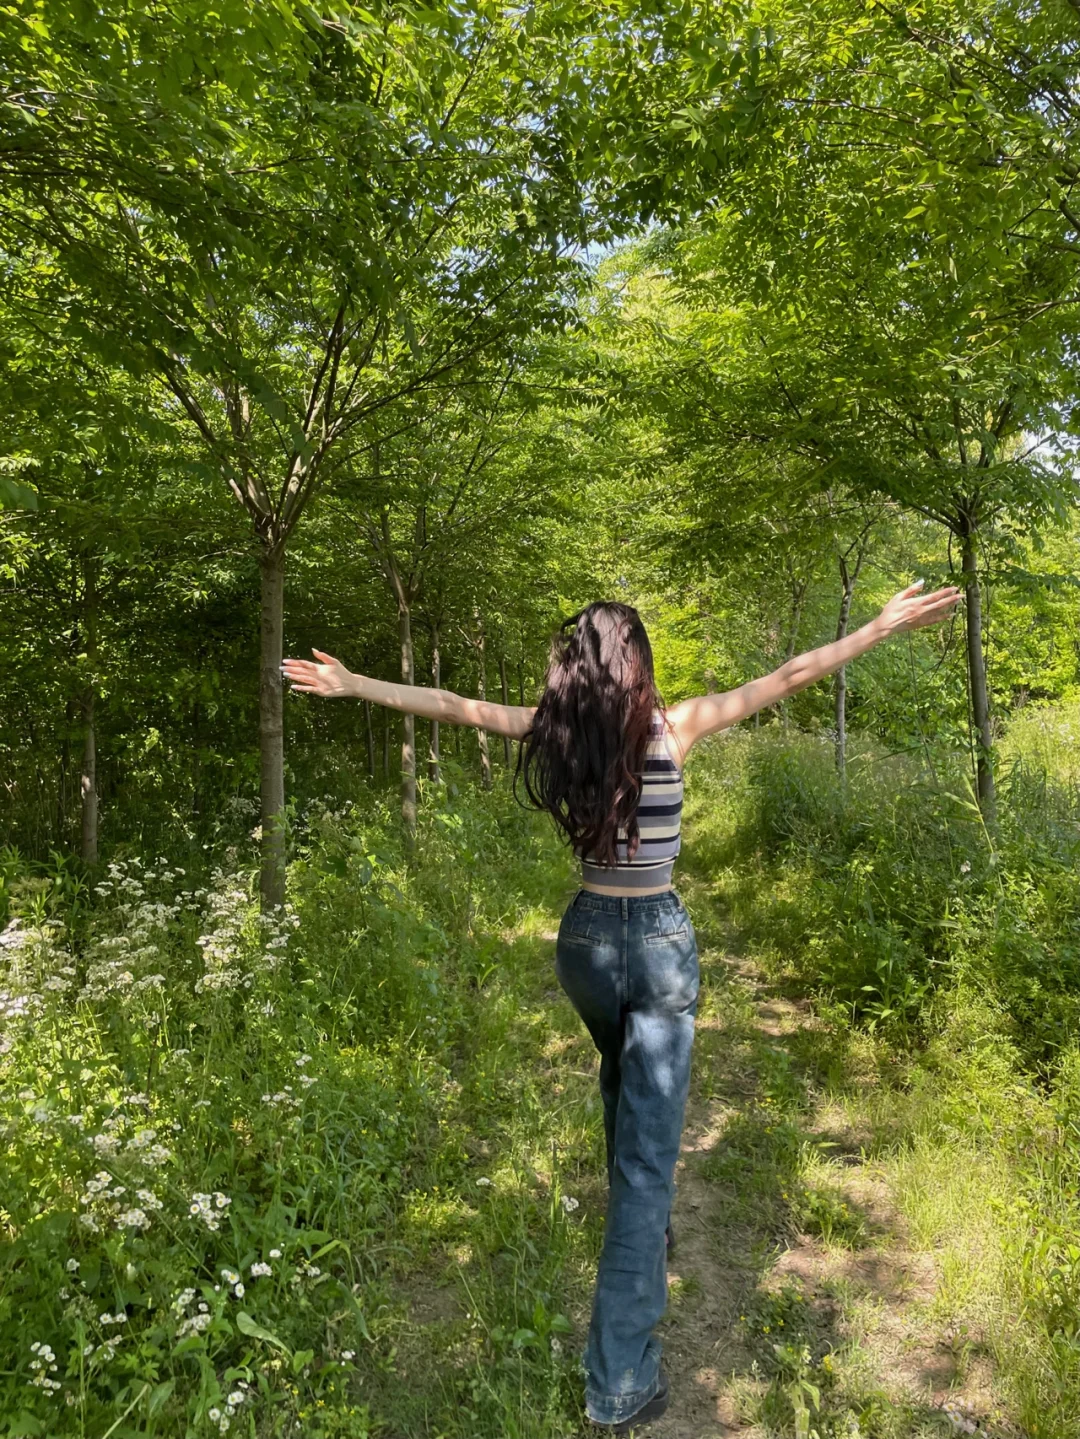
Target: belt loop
pixel 624 905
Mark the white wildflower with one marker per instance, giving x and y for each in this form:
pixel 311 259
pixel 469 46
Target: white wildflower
pixel 208 1208
pixel 569 1204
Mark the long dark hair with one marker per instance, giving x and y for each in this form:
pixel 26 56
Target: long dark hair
pixel 583 757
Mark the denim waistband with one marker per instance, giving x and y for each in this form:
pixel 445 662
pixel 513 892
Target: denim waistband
pixel 625 904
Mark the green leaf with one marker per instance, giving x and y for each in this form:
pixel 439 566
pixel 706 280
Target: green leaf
pixel 14 496
pixel 23 1425
pixel 160 1395
pixel 358 1313
pixel 248 1326
pixel 300 1358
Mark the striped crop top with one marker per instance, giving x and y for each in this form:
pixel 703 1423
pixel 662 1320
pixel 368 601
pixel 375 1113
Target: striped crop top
pixel 659 814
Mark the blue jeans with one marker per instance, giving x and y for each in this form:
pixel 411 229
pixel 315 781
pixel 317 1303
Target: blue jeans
pixel 630 968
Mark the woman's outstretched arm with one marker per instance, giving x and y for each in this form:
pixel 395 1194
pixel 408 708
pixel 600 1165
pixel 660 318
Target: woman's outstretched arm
pixel 330 678
pixel 693 719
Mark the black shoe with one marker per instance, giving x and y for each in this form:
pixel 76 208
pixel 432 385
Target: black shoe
pixel 670 1231
pixel 645 1415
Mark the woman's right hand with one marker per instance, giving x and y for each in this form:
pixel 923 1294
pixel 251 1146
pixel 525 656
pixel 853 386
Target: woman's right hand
pixel 328 677
pixel 910 610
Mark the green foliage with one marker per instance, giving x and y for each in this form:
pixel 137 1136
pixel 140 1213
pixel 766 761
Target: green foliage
pixel 887 894
pixel 342 266
pixel 218 1130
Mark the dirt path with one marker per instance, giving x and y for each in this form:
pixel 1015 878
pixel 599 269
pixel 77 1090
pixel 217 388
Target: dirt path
pixel 798 1305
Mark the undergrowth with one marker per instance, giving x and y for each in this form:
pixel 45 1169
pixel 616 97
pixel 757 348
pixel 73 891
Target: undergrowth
pixel 230 1146
pixel 942 956
pixel 340 1174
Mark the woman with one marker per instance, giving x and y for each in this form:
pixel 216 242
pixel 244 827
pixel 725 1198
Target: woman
pixel 605 759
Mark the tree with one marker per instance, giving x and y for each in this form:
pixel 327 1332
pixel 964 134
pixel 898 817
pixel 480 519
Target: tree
pixel 268 245
pixel 878 370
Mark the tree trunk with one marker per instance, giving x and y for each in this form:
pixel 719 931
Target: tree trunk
pixel 386 745
pixel 88 782
pixel 436 680
pixel 370 740
pixel 408 731
pixel 506 701
pixel 481 694
pixel 798 595
pixel 271 728
pixel 65 774
pixel 196 758
pixel 521 683
pixel 977 686
pixel 848 579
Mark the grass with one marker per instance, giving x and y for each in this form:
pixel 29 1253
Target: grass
pixel 376 1089
pixel 393 1101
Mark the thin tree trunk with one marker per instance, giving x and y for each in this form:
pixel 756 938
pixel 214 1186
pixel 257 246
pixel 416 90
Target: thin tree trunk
pixel 436 680
pixel 506 701
pixel 798 595
pixel 481 694
pixel 89 784
pixel 849 577
pixel 521 683
pixel 977 686
pixel 370 740
pixel 88 781
pixel 65 773
pixel 272 728
pixel 840 693
pixel 408 730
pixel 196 757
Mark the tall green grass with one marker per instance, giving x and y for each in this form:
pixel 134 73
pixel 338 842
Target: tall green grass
pixel 240 1158
pixel 319 1176
pixel 948 951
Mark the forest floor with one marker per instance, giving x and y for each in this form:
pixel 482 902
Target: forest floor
pixel 800 1303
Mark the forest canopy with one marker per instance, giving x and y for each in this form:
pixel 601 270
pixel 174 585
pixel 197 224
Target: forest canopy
pixel 403 331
